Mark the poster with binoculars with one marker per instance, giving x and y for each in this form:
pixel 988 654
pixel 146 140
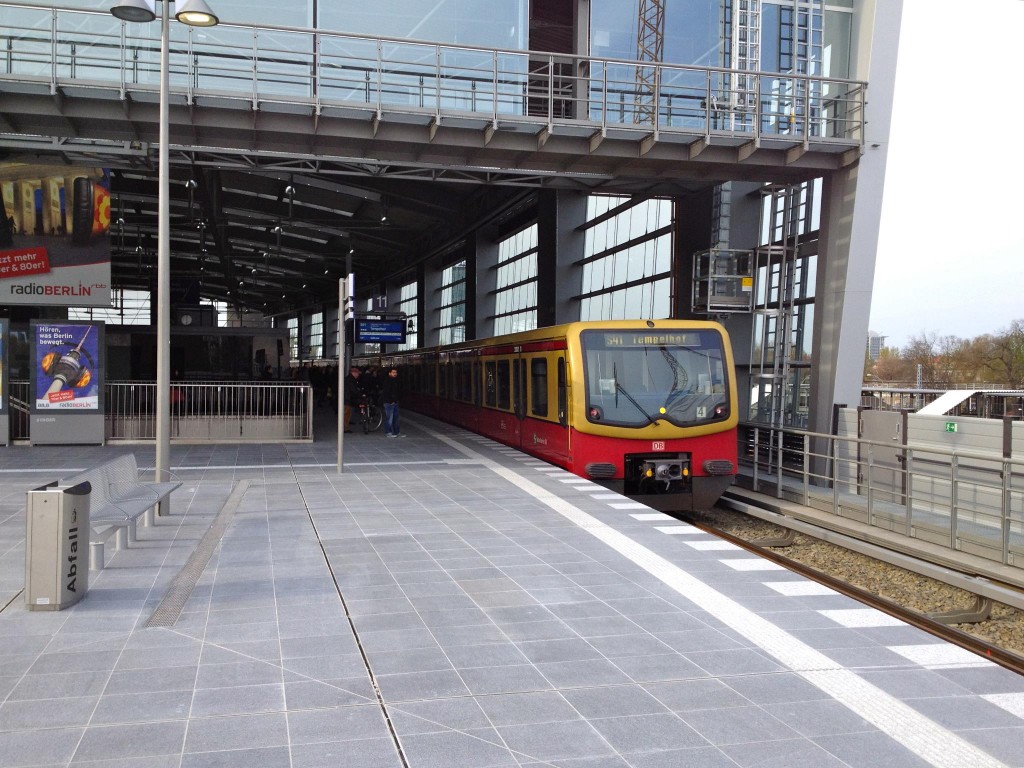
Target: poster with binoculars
pixel 54 235
pixel 67 366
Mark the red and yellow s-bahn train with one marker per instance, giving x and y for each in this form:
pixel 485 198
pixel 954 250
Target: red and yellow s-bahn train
pixel 646 408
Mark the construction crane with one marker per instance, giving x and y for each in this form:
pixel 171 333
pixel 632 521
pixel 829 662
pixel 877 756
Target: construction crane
pixel 650 46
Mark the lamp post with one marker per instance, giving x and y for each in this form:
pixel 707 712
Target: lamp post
pixel 194 13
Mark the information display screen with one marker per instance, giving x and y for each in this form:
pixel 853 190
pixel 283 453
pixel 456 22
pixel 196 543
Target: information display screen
pixel 379 331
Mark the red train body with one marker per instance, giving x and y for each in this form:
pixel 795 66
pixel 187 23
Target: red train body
pixel 646 408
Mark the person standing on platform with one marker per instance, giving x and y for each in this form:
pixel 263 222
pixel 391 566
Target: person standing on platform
pixel 352 394
pixel 389 394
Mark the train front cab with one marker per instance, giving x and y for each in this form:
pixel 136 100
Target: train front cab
pixel 654 411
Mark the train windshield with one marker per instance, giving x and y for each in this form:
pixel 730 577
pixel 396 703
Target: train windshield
pixel 636 378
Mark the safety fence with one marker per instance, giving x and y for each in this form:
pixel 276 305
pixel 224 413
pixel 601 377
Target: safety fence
pixel 214 411
pixel 960 499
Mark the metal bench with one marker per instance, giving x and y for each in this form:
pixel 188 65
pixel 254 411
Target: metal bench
pixel 118 499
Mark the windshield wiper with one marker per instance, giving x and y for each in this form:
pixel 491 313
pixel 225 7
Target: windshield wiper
pixel 620 388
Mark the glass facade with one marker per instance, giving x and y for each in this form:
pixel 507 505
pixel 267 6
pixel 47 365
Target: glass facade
pixel 293 338
pixel 409 303
pixel 314 342
pixel 628 259
pixel 465 22
pixel 127 307
pixel 692 31
pixel 515 303
pixel 452 311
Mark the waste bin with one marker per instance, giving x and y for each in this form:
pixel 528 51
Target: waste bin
pixel 57 546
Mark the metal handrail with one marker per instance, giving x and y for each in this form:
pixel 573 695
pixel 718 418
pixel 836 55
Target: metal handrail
pixel 237 411
pixel 960 499
pixel 269 64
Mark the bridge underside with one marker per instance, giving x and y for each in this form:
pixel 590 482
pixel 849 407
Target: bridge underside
pixel 359 163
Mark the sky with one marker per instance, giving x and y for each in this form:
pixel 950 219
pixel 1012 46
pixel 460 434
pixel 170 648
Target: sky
pixel 951 238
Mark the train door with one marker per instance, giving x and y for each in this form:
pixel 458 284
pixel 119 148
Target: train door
pixel 518 397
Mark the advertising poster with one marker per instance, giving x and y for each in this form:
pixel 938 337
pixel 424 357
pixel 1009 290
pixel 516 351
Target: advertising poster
pixel 67 369
pixel 54 235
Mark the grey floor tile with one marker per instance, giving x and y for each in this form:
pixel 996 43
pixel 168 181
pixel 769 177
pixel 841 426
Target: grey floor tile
pixel 874 749
pixel 644 733
pixel 505 679
pixel 485 655
pixel 58 686
pixel 614 701
pixel 46 713
pixel 337 724
pixel 459 714
pixel 575 674
pixel 39 747
pixel 736 725
pixel 238 700
pixel 365 753
pixel 133 740
pixel 692 695
pixel 270 757
pixel 414 660
pixel 412 686
pixel 526 708
pixel 451 749
pixel 563 649
pixel 239 732
pixel 239 674
pixel 142 707
pixel 698 757
pixel 327 667
pixel 149 680
pixel 652 669
pixel 555 741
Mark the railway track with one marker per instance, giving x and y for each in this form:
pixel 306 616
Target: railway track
pixel 1008 658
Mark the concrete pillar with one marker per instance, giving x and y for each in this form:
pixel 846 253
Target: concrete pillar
pixel 562 222
pixel 693 234
pixel 430 304
pixel 486 259
pixel 851 212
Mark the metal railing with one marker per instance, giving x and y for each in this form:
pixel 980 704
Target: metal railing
pixel 963 501
pixel 213 411
pixel 268 65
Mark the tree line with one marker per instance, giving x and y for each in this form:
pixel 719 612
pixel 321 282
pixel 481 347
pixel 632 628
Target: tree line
pixel 995 360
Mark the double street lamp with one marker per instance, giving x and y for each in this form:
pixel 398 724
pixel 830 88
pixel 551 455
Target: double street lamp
pixel 195 13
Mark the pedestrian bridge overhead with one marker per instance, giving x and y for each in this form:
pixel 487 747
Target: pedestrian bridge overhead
pixel 81 81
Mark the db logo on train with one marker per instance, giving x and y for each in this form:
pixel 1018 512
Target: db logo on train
pixel 658 445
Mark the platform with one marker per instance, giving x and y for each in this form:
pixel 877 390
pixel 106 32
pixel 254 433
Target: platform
pixel 447 602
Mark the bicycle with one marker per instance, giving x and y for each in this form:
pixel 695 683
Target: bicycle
pixel 370 415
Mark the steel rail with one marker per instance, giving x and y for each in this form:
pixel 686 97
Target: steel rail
pixel 1001 656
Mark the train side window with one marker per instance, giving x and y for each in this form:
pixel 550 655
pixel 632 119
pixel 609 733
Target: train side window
pixel 476 383
pixel 504 384
pixel 490 385
pixel 539 386
pixel 563 399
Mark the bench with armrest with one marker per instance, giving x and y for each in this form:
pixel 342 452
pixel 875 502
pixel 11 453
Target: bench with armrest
pixel 117 501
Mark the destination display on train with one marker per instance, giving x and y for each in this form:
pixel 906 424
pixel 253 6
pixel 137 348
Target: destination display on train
pixel 648 339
